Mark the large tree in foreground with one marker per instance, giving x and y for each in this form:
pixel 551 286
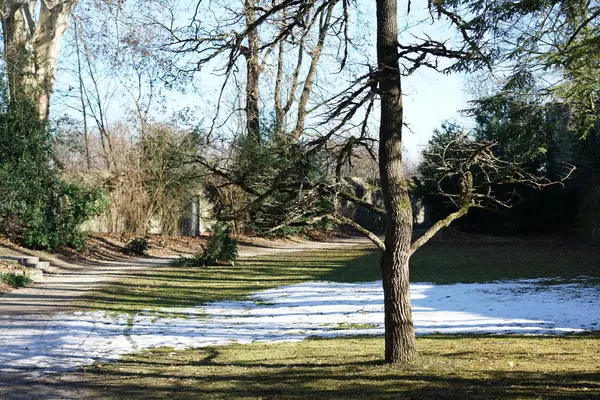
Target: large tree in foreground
pixel 399 328
pixel 32 31
pixel 471 166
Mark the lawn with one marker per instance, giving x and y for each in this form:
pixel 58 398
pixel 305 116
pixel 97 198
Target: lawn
pixel 178 286
pixel 447 263
pixel 440 263
pixel 449 366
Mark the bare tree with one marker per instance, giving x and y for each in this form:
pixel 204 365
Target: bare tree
pixel 301 196
pixel 86 134
pixel 253 70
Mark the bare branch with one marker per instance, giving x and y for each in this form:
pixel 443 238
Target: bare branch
pixel 372 237
pixel 444 223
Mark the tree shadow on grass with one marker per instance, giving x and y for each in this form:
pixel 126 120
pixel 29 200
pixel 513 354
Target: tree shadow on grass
pixel 449 367
pixel 209 378
pixel 173 286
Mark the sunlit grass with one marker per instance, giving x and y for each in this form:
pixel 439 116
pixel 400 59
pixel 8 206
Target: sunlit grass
pixel 180 286
pixel 448 367
pixel 441 263
pixel 451 366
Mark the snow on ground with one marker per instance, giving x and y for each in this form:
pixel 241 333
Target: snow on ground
pixel 68 340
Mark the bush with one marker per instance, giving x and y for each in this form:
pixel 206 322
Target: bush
pixel 221 248
pixel 15 280
pixel 61 210
pixel 137 246
pixel 36 206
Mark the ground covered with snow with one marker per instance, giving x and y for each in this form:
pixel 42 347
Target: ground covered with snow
pixel 68 340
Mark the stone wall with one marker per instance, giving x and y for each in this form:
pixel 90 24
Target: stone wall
pixel 198 220
pixel 371 193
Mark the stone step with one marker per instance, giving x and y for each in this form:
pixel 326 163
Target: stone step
pixel 29 261
pixel 42 265
pixel 36 274
pixel 34 266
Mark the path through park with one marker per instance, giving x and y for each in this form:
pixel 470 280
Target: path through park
pixel 36 314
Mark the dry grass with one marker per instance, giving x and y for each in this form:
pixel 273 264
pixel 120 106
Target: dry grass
pixel 4 288
pixel 10 266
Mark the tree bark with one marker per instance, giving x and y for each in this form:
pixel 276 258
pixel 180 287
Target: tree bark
pixel 324 22
pixel 400 344
pixel 285 108
pixel 279 114
pixel 18 46
pixel 252 73
pixel 31 47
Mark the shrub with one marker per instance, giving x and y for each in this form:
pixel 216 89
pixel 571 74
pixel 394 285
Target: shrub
pixel 61 211
pixel 221 248
pixel 196 260
pixel 150 178
pixel 15 280
pixel 36 206
pixel 137 246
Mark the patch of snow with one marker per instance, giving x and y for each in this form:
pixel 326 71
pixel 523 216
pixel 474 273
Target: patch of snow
pixel 67 340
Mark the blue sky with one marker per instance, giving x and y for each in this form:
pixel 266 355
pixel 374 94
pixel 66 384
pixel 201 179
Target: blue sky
pixel 430 97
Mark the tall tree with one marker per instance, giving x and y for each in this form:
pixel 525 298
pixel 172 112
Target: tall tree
pixel 399 330
pixel 344 127
pixel 253 70
pixel 558 39
pixel 382 83
pixel 32 32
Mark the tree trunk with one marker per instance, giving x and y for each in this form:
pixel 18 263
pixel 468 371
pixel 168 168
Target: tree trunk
pixel 399 330
pixel 324 22
pixel 252 73
pixel 88 158
pixel 18 47
pixel 31 47
pixel 279 114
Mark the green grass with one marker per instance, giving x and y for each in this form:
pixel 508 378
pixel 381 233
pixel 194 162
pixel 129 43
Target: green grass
pixel 15 280
pixel 184 286
pixel 441 263
pixel 474 367
pixel 446 263
pixel 449 367
pixel 342 326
